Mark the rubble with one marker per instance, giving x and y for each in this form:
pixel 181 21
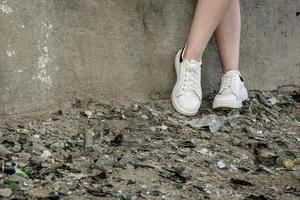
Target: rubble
pixel 221 164
pixel 5 192
pixel 211 121
pixel 148 151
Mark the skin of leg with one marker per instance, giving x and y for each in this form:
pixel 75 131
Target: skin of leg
pixel 208 15
pixel 228 35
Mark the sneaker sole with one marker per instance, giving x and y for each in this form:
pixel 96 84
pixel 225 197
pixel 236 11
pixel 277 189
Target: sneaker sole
pixel 226 105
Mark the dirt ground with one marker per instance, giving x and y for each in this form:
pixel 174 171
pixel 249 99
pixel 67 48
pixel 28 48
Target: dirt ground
pixel 148 151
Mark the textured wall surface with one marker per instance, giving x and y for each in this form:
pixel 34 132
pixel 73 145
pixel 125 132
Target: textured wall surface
pixel 52 51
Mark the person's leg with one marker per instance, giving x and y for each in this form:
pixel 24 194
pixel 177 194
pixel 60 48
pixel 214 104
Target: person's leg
pixel 208 15
pixel 227 36
pixel 187 93
pixel 232 91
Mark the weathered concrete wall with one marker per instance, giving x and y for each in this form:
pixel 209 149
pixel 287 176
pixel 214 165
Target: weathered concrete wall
pixel 52 51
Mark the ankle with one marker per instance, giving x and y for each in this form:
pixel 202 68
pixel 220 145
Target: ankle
pixel 189 54
pixel 230 69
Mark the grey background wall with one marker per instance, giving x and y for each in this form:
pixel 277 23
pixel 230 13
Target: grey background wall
pixel 52 51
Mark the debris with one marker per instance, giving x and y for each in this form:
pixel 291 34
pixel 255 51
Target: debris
pixel 164 127
pixel 14 187
pixel 272 101
pixel 4 151
pixel 296 172
pixel 101 176
pixel 8 169
pixel 233 168
pixel 282 144
pixel 6 193
pixel 46 154
pixel 135 108
pixel 100 192
pixel 264 155
pixel 156 191
pixel 210 121
pixel 155 95
pixel 125 197
pixel 240 182
pixel 296 96
pixel 148 151
pixel 176 174
pixel 88 114
pixel 264 100
pixel 16 179
pixel 88 139
pixel 188 144
pixel 21 173
pixel 288 164
pixel 117 140
pixel 221 164
pixel 291 190
pixel 131 182
pixel 257 197
pixel 145 117
pixel 253 133
pixel 39 193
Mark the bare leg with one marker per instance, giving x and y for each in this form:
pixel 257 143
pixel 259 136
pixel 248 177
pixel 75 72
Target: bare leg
pixel 228 37
pixel 232 90
pixel 208 15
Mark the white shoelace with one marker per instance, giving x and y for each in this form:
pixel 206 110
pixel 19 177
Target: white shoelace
pixel 191 79
pixel 229 84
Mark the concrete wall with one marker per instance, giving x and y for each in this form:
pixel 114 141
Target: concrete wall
pixel 52 51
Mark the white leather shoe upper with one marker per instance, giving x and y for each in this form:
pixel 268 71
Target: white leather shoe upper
pixel 232 91
pixel 187 93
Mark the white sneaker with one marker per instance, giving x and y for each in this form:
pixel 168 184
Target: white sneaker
pixel 232 91
pixel 187 92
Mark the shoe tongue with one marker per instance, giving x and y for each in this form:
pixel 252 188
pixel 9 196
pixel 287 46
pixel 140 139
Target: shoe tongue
pixel 192 64
pixel 231 72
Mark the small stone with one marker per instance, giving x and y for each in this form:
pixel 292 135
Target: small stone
pixel 6 193
pixel 16 179
pixel 272 101
pixel 264 155
pixel 135 107
pixel 46 154
pixel 153 129
pixel 296 173
pixel 204 151
pixel 164 127
pixel 39 193
pixel 221 164
pixel 144 117
pixel 38 148
pixel 233 168
pixel 88 114
pixel 36 136
pixel 4 151
pixel 17 148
